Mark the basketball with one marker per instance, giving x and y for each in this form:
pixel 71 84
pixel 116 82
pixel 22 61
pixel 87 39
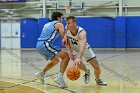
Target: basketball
pixel 73 73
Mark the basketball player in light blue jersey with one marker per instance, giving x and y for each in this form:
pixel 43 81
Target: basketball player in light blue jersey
pixel 45 46
pixel 77 42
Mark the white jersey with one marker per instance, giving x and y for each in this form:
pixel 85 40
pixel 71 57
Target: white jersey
pixel 74 39
pixel 75 43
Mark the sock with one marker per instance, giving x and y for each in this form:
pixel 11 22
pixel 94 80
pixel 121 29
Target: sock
pixel 60 75
pixel 43 73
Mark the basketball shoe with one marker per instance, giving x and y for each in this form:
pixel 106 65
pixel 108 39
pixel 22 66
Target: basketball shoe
pixel 60 81
pixel 100 82
pixel 40 76
pixel 87 77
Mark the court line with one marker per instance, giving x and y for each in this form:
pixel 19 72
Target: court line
pixel 126 78
pixel 102 65
pixel 27 81
pixel 34 66
pixel 24 60
pixel 34 80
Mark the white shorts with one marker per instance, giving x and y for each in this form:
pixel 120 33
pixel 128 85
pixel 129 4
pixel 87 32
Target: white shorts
pixel 88 54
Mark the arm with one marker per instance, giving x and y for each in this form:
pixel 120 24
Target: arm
pixel 68 47
pixel 69 50
pixel 60 28
pixel 83 40
pixel 82 37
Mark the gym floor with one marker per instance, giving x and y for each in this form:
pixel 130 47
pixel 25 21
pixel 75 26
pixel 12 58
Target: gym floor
pixel 120 69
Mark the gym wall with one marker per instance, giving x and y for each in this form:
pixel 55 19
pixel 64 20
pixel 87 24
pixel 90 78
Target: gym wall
pixel 102 32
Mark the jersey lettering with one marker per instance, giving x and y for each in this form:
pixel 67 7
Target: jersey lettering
pixel 73 41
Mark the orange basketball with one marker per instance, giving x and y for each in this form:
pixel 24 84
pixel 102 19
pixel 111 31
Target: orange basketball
pixel 73 73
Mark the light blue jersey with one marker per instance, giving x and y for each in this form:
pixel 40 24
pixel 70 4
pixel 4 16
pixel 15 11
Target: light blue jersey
pixel 49 33
pixel 45 44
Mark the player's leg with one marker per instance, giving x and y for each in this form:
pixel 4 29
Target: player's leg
pixel 94 63
pixel 63 65
pixel 97 71
pixel 51 64
pixel 40 75
pixel 65 59
pixel 58 53
pixel 83 67
pixel 87 71
pixel 49 54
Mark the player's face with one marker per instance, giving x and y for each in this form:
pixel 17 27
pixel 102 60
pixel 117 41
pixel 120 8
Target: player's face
pixel 70 24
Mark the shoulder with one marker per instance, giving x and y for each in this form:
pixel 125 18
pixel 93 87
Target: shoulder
pixel 58 24
pixel 81 30
pixel 82 35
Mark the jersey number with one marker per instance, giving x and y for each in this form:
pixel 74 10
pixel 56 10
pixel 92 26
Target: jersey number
pixel 73 42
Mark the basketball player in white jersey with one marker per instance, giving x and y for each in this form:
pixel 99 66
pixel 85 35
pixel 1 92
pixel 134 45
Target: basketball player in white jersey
pixel 77 42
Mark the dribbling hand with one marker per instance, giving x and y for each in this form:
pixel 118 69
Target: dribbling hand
pixel 77 61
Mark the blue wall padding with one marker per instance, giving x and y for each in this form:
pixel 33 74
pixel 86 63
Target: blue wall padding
pixel 120 31
pixel 29 32
pixel 42 22
pixel 133 32
pixel 100 31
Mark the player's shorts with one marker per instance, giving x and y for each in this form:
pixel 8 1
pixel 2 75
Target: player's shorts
pixel 47 49
pixel 88 54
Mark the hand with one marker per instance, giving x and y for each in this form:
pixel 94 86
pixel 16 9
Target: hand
pixel 77 61
pixel 64 41
pixel 71 56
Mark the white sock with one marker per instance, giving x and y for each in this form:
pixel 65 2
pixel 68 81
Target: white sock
pixel 60 75
pixel 43 72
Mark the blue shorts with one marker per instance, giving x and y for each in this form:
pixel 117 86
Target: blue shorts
pixel 47 49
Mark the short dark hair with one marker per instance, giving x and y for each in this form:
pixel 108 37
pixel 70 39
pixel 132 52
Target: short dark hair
pixel 71 17
pixel 55 15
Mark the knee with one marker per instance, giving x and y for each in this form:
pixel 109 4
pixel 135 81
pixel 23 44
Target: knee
pixel 66 56
pixel 55 62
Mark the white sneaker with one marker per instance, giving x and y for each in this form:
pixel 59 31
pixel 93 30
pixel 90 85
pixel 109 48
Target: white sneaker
pixel 40 76
pixel 100 82
pixel 60 81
